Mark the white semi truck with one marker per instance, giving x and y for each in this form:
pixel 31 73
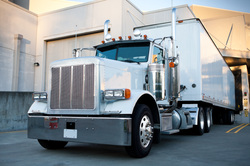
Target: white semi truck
pixel 136 89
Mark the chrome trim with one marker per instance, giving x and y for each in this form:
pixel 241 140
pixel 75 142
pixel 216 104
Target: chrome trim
pixel 100 130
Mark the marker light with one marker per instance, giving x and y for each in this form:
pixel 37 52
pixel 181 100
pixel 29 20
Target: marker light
pixel 120 38
pixel 171 64
pixel 103 42
pixel 113 39
pixel 145 37
pixel 129 37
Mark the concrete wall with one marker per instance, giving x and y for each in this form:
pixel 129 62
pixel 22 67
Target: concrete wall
pixel 17 21
pixel 13 110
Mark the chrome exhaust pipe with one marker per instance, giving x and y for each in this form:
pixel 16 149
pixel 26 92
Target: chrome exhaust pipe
pixel 107 36
pixel 174 84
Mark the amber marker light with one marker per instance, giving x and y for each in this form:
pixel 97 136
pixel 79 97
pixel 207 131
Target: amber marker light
pixel 181 21
pixel 103 42
pixel 171 64
pixel 120 38
pixel 127 93
pixel 113 39
pixel 145 37
pixel 129 37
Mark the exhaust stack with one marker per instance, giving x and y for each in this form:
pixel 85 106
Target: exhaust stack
pixel 174 84
pixel 107 36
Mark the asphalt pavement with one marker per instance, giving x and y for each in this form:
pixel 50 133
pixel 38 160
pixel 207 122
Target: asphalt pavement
pixel 223 146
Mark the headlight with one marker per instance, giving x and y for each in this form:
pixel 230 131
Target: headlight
pixel 40 96
pixel 115 94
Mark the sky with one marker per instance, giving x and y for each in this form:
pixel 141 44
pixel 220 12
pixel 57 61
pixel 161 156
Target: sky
pixel 148 5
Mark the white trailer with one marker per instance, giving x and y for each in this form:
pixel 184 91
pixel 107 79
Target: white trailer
pixel 205 77
pixel 134 90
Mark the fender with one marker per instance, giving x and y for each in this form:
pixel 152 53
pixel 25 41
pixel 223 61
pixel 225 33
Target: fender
pixel 126 106
pixel 38 107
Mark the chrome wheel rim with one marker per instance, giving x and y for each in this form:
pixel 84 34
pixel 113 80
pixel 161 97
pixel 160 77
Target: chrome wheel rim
pixel 146 131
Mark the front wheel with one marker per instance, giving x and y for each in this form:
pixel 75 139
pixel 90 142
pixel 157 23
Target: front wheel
pixel 142 132
pixel 47 144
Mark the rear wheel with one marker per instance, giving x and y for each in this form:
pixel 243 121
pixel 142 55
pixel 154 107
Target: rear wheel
pixel 142 132
pixel 47 144
pixel 231 117
pixel 207 120
pixel 200 127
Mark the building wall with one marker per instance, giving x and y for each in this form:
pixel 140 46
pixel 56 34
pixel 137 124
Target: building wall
pixel 43 6
pixel 15 20
pixel 244 116
pixel 13 110
pixel 83 19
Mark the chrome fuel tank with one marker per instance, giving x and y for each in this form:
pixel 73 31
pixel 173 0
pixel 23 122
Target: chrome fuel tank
pixel 156 81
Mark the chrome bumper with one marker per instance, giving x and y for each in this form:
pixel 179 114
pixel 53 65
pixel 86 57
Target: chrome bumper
pixel 100 130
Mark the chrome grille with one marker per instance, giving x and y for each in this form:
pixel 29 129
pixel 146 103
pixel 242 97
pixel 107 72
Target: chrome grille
pixel 72 87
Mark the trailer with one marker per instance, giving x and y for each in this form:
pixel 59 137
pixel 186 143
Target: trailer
pixel 205 78
pixel 134 90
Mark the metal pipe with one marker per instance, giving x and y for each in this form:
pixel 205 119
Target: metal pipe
pixel 174 32
pixel 174 75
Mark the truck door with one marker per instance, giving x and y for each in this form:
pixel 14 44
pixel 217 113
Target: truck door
pixel 157 55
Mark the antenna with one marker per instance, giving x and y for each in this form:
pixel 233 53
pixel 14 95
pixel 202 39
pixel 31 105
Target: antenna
pixel 76 38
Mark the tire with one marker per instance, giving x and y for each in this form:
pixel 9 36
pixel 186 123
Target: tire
pixel 231 117
pixel 142 132
pixel 200 127
pixel 52 144
pixel 157 136
pixel 207 120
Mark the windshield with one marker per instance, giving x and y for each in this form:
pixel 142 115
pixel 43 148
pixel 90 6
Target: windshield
pixel 128 52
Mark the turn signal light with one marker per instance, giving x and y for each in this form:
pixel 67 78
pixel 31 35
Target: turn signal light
pixel 127 93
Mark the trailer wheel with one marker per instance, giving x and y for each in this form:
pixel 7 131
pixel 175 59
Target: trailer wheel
pixel 231 117
pixel 200 127
pixel 207 120
pixel 47 144
pixel 142 132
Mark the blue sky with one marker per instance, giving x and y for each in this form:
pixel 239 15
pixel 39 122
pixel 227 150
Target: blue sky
pixel 148 5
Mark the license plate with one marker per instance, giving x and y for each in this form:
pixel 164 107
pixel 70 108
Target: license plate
pixel 70 133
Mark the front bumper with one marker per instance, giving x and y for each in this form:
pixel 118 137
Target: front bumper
pixel 100 130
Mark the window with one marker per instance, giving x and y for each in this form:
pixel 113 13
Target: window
pixel 157 55
pixel 127 52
